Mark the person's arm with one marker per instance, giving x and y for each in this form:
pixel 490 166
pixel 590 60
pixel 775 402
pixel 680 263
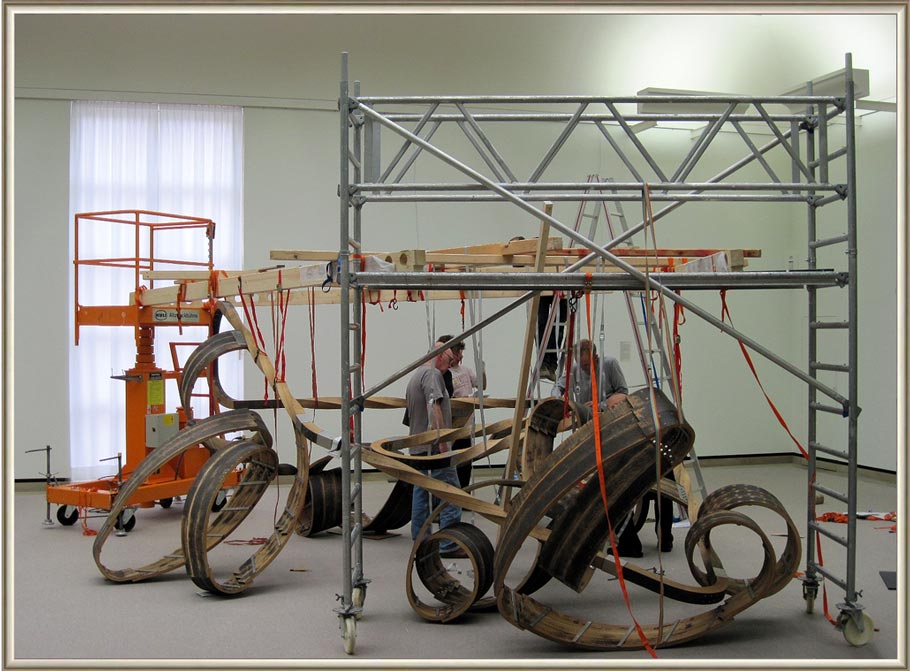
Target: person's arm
pixel 437 421
pixel 617 383
pixel 474 378
pixel 559 388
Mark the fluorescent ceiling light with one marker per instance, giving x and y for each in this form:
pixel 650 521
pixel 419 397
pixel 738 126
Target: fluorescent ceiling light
pixel 876 105
pixel 831 84
pixel 645 107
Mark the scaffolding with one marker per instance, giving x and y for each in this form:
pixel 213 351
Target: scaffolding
pixel 365 179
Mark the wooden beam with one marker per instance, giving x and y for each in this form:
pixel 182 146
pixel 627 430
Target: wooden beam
pixel 506 248
pixel 524 365
pixel 247 283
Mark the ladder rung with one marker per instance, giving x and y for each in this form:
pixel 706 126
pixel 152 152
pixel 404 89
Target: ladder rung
pixel 828 408
pixel 829 325
pixel 252 482
pixel 236 508
pixel 815 244
pixel 830 576
pixel 830 534
pixel 836 367
pixel 828 450
pixel 354 368
pixel 589 216
pixel 830 492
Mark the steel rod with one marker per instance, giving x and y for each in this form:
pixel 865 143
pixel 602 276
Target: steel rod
pixel 832 493
pixel 686 99
pixel 834 367
pixel 828 450
pixel 537 197
pixel 830 534
pixel 787 147
pixel 852 334
pixel 345 339
pixel 645 154
pixel 415 153
pixel 404 147
pixel 597 281
pixel 558 143
pixel 761 159
pixel 601 186
pixel 827 242
pixel 562 117
pixel 619 152
pixel 463 125
pixel 486 141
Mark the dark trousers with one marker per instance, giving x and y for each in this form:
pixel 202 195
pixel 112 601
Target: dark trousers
pixel 628 541
pixel 464 469
pixel 551 358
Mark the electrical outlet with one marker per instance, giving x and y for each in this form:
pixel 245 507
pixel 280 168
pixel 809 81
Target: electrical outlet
pixel 625 350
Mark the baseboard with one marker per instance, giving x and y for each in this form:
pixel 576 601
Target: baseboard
pixel 877 474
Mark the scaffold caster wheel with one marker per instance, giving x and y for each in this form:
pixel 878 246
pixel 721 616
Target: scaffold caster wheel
pixel 219 502
pixel 852 634
pixel 67 515
pixel 810 604
pixel 358 596
pixel 126 521
pixel 349 634
pixel 166 503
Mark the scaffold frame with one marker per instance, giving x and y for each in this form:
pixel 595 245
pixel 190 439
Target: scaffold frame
pixel 365 180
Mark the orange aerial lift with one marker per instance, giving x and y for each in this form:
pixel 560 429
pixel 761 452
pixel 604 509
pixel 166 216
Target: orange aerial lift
pixel 148 425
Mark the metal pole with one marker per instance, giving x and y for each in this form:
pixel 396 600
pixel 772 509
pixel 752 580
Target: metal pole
pixel 852 347
pixel 48 522
pixel 344 109
pixel 357 320
pixel 631 270
pixel 811 581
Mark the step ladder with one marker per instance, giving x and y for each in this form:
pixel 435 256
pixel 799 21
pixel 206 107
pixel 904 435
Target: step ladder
pixel 653 356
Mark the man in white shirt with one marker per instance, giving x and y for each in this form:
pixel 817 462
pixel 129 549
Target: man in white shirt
pixel 464 383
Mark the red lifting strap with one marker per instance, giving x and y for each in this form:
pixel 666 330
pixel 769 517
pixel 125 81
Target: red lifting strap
pixel 725 315
pixel 603 486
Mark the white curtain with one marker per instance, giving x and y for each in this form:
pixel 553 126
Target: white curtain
pixel 178 159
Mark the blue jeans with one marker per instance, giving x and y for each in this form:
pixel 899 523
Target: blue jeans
pixel 420 505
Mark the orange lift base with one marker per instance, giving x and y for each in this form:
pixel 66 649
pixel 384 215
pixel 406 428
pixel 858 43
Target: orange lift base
pixel 100 494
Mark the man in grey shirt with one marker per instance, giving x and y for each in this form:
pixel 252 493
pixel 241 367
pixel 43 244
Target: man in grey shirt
pixel 428 409
pixel 611 383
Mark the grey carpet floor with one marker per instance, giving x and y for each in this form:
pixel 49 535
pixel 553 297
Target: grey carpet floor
pixel 62 612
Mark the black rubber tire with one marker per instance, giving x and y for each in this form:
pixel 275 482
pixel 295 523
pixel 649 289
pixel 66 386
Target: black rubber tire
pixel 128 525
pixel 67 520
pixel 166 503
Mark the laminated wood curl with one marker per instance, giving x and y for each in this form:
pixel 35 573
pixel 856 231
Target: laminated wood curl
pixel 455 598
pixel 205 431
pixel 573 549
pixel 260 464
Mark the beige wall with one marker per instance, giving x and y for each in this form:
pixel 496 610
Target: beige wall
pixel 285 72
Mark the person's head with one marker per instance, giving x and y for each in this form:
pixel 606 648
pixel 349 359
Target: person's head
pixel 457 353
pixel 584 350
pixel 447 358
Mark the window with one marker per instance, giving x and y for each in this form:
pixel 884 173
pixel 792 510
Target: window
pixel 180 159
